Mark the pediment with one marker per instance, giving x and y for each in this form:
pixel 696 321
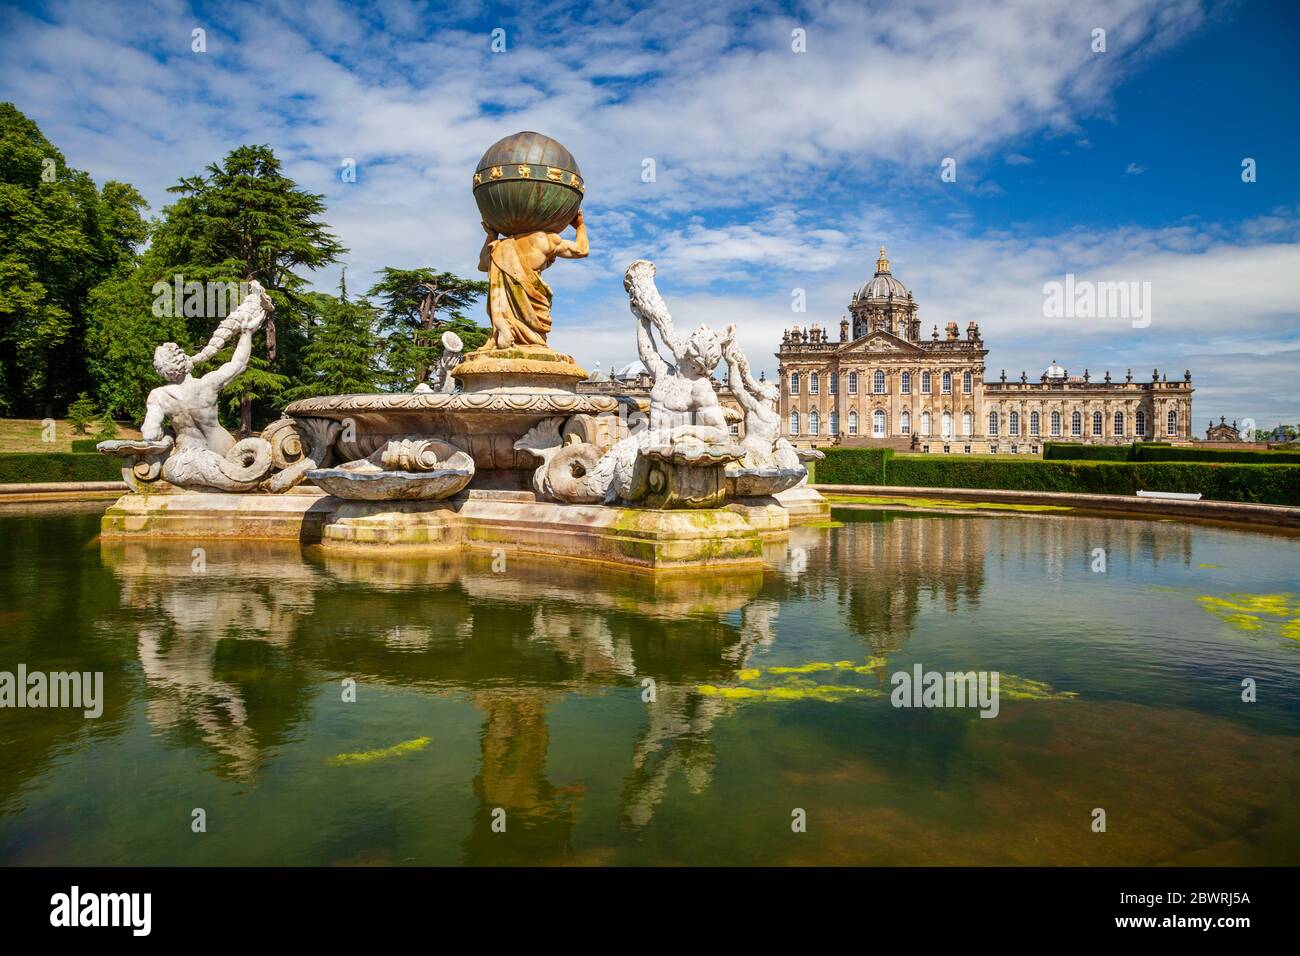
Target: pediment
pixel 881 341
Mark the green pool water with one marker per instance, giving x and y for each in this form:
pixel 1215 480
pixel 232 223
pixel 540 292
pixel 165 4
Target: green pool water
pixel 611 719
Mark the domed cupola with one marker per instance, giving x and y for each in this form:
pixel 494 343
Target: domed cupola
pixel 1054 373
pixel 884 303
pixel 881 286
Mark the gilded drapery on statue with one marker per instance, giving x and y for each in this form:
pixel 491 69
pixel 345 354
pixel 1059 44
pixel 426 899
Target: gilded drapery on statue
pixel 518 297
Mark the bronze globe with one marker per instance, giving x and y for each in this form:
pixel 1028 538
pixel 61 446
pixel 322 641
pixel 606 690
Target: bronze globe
pixel 527 182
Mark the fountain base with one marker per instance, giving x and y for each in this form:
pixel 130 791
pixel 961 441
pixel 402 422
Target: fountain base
pixel 476 520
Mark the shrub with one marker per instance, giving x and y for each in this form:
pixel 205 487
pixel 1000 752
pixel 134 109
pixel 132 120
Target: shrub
pixel 86 446
pixel 108 429
pixel 853 466
pixel 58 466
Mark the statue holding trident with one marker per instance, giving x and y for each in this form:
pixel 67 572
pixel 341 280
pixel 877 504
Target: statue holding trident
pixel 519 300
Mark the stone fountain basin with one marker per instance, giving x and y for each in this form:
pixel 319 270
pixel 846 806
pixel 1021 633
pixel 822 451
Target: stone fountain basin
pixel 354 485
pixel 484 424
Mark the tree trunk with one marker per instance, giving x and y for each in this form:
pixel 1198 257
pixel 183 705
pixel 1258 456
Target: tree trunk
pixel 245 417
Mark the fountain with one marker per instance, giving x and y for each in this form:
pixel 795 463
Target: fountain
pixel 513 459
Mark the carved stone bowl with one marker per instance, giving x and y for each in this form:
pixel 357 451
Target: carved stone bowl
pixel 355 485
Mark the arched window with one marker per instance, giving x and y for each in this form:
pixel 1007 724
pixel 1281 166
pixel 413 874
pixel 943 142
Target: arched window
pixel 905 422
pixel 812 422
pixel 1171 425
pixel 925 383
pixel 947 424
pixel 946 387
pixel 993 424
pixel 833 383
pixel 1033 424
pixel 1013 423
pixel 902 328
pixel 853 383
pixel 967 422
pixel 853 423
pixel 878 382
pixel 835 422
pixel 905 384
pixel 814 384
pixel 794 423
pixel 878 424
pixel 1096 424
pixel 1118 426
pixel 1056 424
pixel 1076 425
pixel 925 424
pixel 1140 426
pixel 794 383
pixel 966 381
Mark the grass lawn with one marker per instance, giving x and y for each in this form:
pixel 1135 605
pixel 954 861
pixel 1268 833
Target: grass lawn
pixel 24 435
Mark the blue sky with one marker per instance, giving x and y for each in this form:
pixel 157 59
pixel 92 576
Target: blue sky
pixel 775 170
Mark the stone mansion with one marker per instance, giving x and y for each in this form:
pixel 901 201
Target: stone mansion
pixel 882 383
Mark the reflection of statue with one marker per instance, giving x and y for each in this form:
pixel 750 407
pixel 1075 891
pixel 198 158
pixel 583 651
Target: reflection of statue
pixel 205 454
pixel 519 300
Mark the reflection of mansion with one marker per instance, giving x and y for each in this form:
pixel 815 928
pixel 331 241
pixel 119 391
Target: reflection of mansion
pixel 886 385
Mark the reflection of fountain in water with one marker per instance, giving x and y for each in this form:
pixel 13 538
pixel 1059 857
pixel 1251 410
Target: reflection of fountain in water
pixel 231 592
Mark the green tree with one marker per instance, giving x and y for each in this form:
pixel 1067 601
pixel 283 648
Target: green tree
pixel 81 413
pixel 107 427
pixel 411 300
pixel 244 219
pixel 257 383
pixel 342 352
pixel 60 237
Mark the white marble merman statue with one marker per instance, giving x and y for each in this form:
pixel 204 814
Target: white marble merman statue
pixel 204 455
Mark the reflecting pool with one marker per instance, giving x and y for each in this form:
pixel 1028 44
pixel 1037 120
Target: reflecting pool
pixel 330 711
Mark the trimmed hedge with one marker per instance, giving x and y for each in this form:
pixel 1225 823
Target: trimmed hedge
pixel 85 445
pixel 853 466
pixel 58 466
pixel 1240 456
pixel 1073 451
pixel 1269 484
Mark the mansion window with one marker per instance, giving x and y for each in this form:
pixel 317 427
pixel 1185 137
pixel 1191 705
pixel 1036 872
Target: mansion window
pixel 905 423
pixel 967 422
pixel 878 382
pixel 813 422
pixel 993 424
pixel 906 384
pixel 946 388
pixel 1056 424
pixel 1013 424
pixel 947 423
pixel 925 383
pixel 794 423
pixel 853 423
pixel 1033 424
pixel 925 424
pixel 1140 427
pixel 734 428
pixel 1096 424
pixel 1171 425
pixel 814 384
pixel 1119 425
pixel 833 383
pixel 853 383
pixel 835 422
pixel 877 424
pixel 966 383
pixel 1076 425
pixel 794 383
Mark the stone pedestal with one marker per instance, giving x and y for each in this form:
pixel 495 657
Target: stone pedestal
pixel 804 505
